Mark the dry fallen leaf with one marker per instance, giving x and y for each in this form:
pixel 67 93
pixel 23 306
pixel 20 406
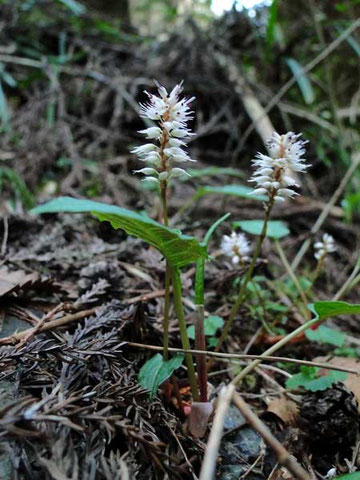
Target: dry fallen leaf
pixel 352 381
pixel 13 282
pixel 285 409
pixel 199 418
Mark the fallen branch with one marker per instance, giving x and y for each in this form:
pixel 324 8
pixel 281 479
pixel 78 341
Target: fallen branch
pixel 284 457
pixel 241 356
pixel 59 322
pixel 212 448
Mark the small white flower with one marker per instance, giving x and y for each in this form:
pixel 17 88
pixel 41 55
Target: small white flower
pixel 236 246
pixel 147 171
pixel 326 246
pixel 272 171
pixel 171 133
pixel 178 172
pixel 152 132
pixel 144 149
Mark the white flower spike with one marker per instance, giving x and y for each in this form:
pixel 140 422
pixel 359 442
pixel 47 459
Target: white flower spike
pixel 272 171
pixel 236 246
pixel 326 246
pixel 171 114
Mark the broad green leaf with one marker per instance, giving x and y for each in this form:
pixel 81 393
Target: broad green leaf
pixel 307 379
pixel 235 190
pixel 302 80
pixel 323 310
pixel 324 334
pixel 178 249
pixel 275 228
pixel 211 324
pixel 156 370
pixel 349 476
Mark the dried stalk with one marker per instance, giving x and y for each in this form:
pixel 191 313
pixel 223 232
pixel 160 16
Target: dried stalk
pixel 283 455
pixel 213 445
pixel 59 322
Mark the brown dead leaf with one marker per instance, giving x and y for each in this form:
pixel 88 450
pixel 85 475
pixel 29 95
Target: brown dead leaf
pixel 11 283
pixel 352 381
pixel 199 418
pixel 285 409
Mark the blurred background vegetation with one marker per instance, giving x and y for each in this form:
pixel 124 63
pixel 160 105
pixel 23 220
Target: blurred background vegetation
pixel 72 72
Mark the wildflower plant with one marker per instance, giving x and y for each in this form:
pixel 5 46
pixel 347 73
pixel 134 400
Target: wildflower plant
pixel 165 148
pixel 272 174
pixel 168 139
pixel 273 177
pixel 326 246
pixel 237 247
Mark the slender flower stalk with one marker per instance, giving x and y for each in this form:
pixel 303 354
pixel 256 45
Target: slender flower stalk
pixel 183 333
pixel 273 178
pixel 165 147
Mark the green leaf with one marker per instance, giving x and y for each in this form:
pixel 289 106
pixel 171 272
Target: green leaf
pixel 156 370
pixel 77 8
pixel 4 113
pixel 270 29
pixel 8 79
pixel 178 249
pixel 213 172
pixel 328 335
pixel 290 287
pixel 307 379
pixel 323 310
pixel 302 80
pixel 349 476
pixel 213 227
pixel 19 187
pixel 276 307
pixel 235 190
pixel 275 228
pixel 211 324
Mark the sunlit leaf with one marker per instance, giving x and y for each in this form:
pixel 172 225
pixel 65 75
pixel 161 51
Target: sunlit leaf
pixel 349 476
pixel 178 249
pixel 308 380
pixel 324 334
pixel 323 310
pixel 156 370
pixel 275 228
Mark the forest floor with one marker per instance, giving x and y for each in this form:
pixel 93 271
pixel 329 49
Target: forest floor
pixel 75 294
